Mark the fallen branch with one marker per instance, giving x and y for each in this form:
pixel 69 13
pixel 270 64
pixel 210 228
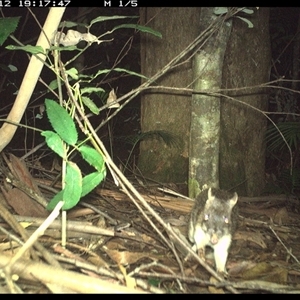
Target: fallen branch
pixel 80 283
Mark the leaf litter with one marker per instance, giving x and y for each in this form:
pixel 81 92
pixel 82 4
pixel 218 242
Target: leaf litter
pixel 113 248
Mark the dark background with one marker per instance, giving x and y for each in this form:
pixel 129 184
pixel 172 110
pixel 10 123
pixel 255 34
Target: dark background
pixel 116 135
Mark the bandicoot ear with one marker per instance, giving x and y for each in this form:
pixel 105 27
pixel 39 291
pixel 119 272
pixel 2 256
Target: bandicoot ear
pixel 233 200
pixel 209 195
pixel 210 198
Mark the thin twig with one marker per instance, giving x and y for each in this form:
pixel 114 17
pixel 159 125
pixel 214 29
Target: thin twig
pixel 11 236
pixel 39 232
pixel 281 242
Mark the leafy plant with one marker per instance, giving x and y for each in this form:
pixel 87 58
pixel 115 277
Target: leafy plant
pixel 62 114
pixel 290 180
pixel 8 26
pixel 281 142
pixel 60 141
pixel 291 133
pixel 247 11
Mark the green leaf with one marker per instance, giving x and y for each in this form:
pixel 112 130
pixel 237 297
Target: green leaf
pixel 154 282
pixel 220 10
pixel 9 68
pixel 140 28
pixel 7 26
pixel 65 48
pixel 248 11
pixel 130 72
pixel 54 142
pixel 249 23
pixel 53 202
pixel 100 72
pixel 53 84
pixel 89 90
pixel 106 18
pixel 105 71
pixel 61 122
pixel 70 24
pixel 90 181
pixel 27 48
pixel 13 68
pixel 73 186
pixel 289 130
pixel 90 104
pixel 85 76
pixel 93 157
pixel 73 73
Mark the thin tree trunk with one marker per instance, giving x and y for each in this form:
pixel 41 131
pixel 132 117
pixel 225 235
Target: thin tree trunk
pixel 205 118
pixel 296 62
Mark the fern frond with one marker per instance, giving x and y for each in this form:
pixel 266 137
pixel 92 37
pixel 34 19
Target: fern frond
pixel 168 138
pixel 290 131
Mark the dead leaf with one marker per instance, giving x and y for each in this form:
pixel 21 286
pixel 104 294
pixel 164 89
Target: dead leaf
pixel 98 261
pixel 22 204
pixel 25 224
pixel 265 271
pixel 16 198
pixel 112 97
pixel 116 244
pixel 72 38
pixel 240 267
pixel 281 216
pixel 20 171
pixel 212 289
pixel 90 38
pixel 126 257
pixel 256 238
pixel 130 281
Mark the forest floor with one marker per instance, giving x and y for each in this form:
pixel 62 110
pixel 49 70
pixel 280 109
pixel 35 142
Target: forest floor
pixel 115 245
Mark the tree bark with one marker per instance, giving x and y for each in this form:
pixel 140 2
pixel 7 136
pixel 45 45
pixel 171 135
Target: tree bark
pixel 247 63
pixel 296 62
pixel 205 118
pixel 162 111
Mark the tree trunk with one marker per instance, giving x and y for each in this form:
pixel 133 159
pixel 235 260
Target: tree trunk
pixel 296 63
pixel 205 118
pixel 161 111
pixel 247 63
